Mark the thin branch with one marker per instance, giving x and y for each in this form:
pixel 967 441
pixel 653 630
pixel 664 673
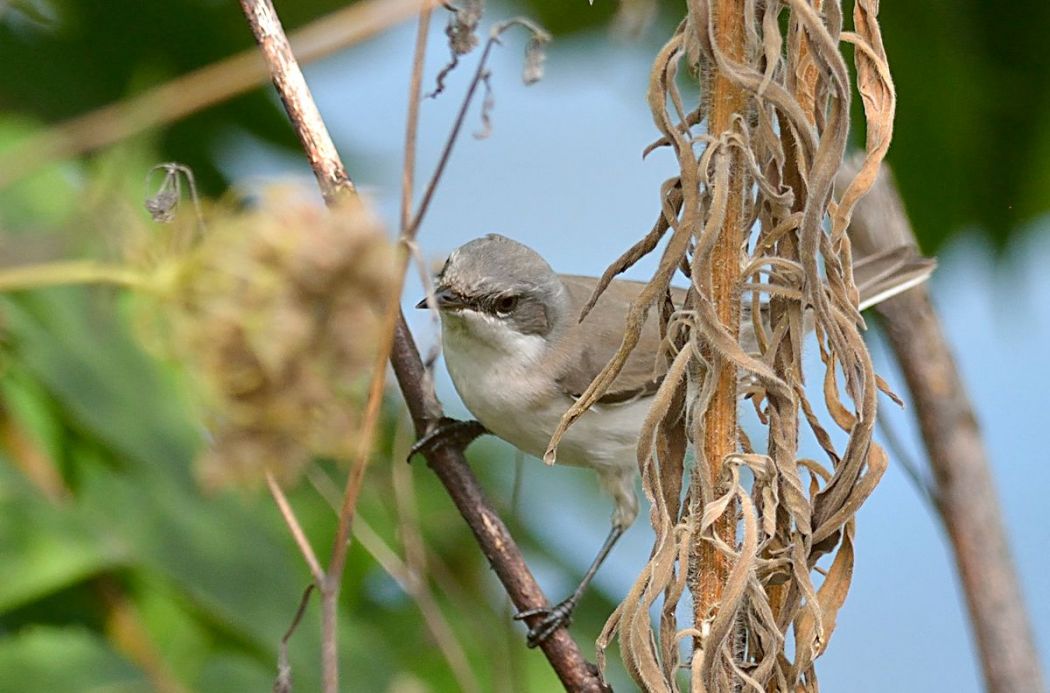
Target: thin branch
pixel 296 529
pixel 449 464
pixel 503 554
pixel 416 562
pixel 446 153
pixel 378 381
pixel 283 684
pixel 415 86
pixel 895 446
pixel 198 90
pixel 355 480
pixel 62 273
pixel 538 38
pixel 410 580
pixel 965 489
pixel 298 102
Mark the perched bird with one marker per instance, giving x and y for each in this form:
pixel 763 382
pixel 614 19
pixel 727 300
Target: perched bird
pixel 519 355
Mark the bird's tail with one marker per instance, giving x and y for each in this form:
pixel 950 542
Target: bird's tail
pixel 885 273
pixel 886 261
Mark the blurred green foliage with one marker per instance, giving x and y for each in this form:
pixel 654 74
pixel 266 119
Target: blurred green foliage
pixel 971 147
pixel 119 574
pixel 972 142
pixel 99 513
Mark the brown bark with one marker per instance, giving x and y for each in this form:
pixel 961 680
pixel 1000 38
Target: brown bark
pixel 503 554
pixel 964 489
pixel 964 493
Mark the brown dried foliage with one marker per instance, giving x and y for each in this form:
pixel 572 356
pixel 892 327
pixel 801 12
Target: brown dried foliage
pixel 786 147
pixel 276 314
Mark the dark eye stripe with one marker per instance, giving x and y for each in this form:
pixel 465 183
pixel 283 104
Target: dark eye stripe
pixel 496 304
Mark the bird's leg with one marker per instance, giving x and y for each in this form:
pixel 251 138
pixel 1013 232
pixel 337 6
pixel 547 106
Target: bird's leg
pixel 448 432
pixel 561 614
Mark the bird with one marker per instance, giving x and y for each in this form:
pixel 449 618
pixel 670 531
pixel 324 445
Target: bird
pixel 519 356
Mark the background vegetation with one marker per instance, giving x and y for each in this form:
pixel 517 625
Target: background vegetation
pixel 118 573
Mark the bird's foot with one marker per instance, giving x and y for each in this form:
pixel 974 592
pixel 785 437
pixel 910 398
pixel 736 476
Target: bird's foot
pixel 448 432
pixel 553 618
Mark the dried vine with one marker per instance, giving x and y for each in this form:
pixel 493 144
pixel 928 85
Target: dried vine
pixel 752 206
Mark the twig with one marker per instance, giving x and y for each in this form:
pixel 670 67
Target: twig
pixel 298 102
pixel 503 554
pixel 199 89
pixel 296 529
pixel 335 187
pixel 480 76
pixel 424 204
pixel 416 564
pixel 895 446
pixel 283 684
pixel 65 272
pixel 442 574
pixel 965 490
pixel 451 468
pixel 415 85
pixel 408 578
pixel 378 381
pixel 355 480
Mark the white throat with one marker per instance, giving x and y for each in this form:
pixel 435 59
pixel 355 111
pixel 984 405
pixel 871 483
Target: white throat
pixel 508 380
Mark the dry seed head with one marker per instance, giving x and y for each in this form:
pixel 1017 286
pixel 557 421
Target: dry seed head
pixel 276 312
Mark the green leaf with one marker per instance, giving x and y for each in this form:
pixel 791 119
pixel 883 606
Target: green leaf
pixel 64 659
pixel 45 548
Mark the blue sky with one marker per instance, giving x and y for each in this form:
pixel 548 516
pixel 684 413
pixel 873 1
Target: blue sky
pixel 562 172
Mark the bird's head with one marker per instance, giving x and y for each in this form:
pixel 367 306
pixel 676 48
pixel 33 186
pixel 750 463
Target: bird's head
pixel 496 289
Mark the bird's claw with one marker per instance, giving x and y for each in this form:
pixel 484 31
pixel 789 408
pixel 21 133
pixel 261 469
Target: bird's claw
pixel 448 431
pixel 553 618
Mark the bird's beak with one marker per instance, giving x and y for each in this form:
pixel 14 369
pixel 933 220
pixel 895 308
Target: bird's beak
pixel 446 299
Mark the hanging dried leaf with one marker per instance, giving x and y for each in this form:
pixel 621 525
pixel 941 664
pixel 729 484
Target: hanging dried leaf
pixel 766 173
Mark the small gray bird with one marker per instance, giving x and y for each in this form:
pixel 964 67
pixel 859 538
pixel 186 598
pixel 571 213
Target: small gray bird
pixel 519 356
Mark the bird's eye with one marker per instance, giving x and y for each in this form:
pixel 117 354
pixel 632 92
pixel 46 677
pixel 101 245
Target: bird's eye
pixel 505 305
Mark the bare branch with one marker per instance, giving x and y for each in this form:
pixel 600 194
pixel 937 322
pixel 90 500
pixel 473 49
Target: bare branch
pixel 964 488
pixel 294 92
pixel 296 529
pixel 447 462
pixel 503 554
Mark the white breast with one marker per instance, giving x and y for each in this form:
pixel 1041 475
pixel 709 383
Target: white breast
pixel 505 380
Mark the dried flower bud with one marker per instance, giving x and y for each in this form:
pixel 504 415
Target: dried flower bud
pixel 163 204
pixel 276 312
pixel 463 26
pixel 535 56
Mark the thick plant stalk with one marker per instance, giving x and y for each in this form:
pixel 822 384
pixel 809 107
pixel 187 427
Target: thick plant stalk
pixel 720 431
pixel 964 489
pixel 747 217
pixel 447 461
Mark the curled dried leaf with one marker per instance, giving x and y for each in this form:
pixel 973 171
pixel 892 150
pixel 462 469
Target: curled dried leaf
pixel 772 169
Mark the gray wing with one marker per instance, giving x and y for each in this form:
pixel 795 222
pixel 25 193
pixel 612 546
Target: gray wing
pixel 599 336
